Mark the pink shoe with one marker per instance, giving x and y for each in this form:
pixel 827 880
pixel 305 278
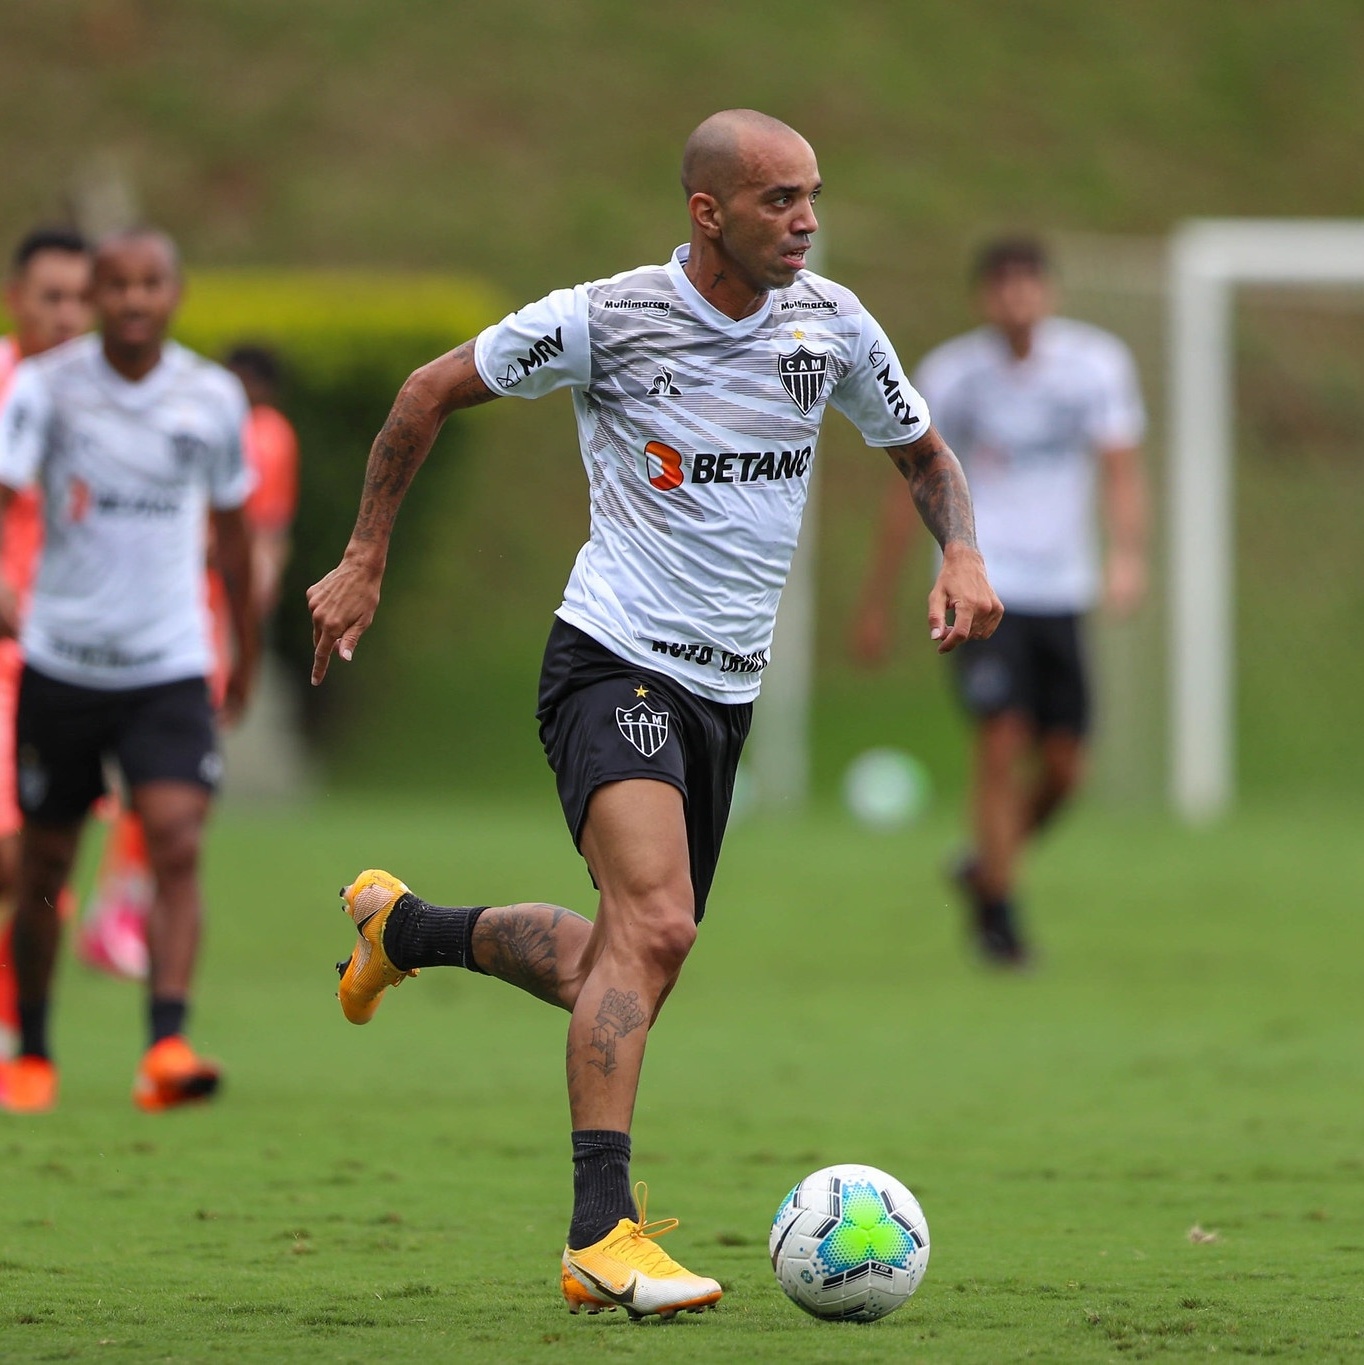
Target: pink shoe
pixel 114 939
pixel 9 996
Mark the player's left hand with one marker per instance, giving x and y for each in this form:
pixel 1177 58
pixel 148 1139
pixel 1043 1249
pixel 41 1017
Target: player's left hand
pixel 962 588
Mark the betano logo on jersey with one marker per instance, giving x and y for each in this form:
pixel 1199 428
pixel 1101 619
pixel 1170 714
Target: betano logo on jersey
pixel 543 351
pixel 666 469
pixel 890 388
pixel 81 500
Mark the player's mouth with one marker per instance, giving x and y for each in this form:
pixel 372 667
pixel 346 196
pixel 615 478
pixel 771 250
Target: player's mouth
pixel 794 259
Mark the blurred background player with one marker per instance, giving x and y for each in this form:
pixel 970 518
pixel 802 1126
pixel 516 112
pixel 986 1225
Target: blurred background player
pixel 133 441
pixel 47 296
pixel 1036 406
pixel 113 932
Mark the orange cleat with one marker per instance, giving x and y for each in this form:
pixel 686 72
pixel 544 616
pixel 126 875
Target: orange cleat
pixel 628 1269
pixel 369 900
pixel 28 1085
pixel 171 1074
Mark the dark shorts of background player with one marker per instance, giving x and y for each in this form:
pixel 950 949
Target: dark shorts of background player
pixel 604 720
pixel 64 733
pixel 1034 664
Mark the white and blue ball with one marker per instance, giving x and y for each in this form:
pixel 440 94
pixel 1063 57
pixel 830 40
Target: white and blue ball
pixel 849 1242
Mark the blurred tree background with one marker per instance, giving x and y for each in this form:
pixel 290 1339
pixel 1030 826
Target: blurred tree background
pixel 529 146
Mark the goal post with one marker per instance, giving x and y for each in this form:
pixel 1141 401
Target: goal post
pixel 1209 259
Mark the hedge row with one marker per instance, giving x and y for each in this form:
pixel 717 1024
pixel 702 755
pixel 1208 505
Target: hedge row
pixel 346 342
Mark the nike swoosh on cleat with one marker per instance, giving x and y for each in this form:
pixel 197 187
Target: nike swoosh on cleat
pixel 624 1297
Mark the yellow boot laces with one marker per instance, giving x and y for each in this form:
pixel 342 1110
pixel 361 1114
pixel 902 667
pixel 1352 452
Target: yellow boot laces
pixel 651 1258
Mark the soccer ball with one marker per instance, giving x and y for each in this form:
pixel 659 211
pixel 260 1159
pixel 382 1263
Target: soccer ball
pixel 849 1242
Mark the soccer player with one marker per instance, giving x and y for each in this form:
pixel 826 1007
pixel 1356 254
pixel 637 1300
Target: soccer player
pixel 699 387
pixel 113 931
pixel 48 297
pixel 1041 409
pixel 132 440
pixel 272 450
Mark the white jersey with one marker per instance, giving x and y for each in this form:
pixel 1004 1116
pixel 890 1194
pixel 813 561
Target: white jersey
pixel 698 434
pixel 127 472
pixel 1028 433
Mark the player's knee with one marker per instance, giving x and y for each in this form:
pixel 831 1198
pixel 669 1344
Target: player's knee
pixel 1001 742
pixel 1065 769
pixel 173 849
pixel 674 939
pixel 45 859
pixel 660 934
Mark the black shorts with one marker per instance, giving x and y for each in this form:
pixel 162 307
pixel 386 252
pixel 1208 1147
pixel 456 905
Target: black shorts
pixel 604 720
pixel 1033 664
pixel 162 733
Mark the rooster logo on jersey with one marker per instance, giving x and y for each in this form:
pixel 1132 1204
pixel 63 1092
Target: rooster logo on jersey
pixel 663 386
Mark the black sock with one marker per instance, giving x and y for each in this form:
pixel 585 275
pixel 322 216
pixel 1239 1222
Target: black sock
pixel 422 935
pixel 33 1029
pixel 166 1017
pixel 601 1185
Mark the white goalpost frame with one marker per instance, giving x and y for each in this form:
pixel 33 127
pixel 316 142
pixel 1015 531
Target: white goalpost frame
pixel 1209 258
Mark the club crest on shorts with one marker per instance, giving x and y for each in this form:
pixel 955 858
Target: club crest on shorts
pixel 802 375
pixel 647 730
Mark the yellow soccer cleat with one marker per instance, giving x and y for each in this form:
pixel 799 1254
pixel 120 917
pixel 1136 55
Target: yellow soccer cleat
pixel 628 1269
pixel 368 901
pixel 171 1074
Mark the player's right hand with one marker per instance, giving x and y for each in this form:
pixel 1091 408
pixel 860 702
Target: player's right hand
pixel 342 606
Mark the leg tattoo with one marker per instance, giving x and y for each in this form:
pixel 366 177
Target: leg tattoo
pixel 619 1014
pixel 530 946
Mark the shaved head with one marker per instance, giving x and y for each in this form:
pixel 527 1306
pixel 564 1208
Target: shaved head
pixel 717 156
pixel 116 243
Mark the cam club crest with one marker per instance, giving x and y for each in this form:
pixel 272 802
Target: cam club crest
pixel 802 376
pixel 647 730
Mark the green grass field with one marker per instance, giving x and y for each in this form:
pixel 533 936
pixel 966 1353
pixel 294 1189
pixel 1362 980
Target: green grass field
pixel 1186 1054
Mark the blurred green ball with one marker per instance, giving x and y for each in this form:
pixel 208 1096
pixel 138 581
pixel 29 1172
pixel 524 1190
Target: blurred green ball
pixel 887 788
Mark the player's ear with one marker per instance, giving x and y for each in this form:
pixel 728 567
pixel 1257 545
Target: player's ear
pixel 705 213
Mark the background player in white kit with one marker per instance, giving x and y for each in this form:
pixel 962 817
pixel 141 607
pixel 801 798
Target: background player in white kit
pixel 133 440
pixel 698 387
pixel 1041 410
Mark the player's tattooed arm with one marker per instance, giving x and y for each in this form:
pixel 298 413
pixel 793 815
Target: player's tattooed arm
pixel 344 602
pixel 938 487
pixel 429 396
pixel 962 589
